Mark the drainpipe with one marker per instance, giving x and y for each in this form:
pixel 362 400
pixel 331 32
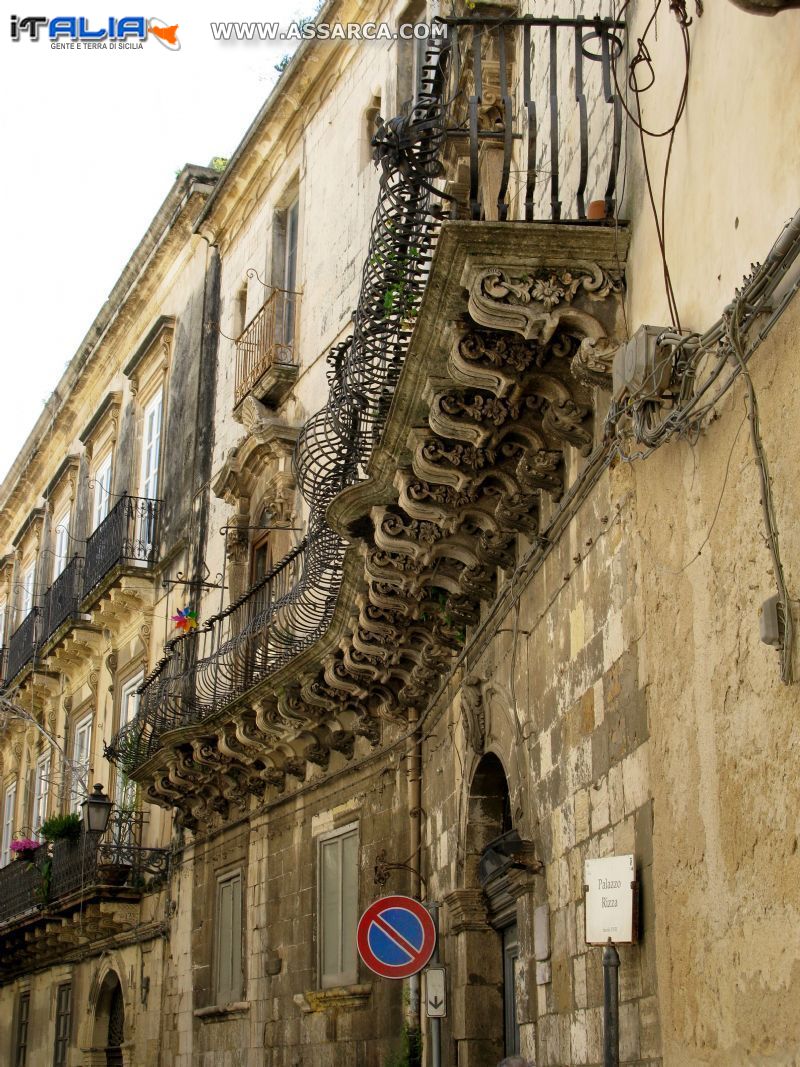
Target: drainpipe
pixel 414 776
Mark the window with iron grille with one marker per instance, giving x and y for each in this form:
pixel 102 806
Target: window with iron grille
pixel 63 1020
pixel 21 1033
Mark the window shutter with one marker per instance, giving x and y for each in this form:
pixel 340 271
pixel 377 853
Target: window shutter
pixel 229 940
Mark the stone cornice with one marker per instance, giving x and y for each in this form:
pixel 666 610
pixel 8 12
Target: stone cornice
pixel 300 89
pixel 166 236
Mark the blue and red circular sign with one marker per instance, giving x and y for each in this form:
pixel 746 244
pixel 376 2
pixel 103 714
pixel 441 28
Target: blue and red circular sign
pixel 396 937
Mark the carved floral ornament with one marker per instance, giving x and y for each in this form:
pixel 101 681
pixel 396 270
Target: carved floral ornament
pixel 258 469
pixel 514 398
pixel 573 302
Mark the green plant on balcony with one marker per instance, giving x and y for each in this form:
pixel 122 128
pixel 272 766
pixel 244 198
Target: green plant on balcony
pixel 42 891
pixel 61 827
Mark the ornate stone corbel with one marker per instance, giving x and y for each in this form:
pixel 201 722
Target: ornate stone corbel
pixel 579 301
pixel 473 713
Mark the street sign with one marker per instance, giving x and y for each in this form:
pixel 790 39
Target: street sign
pixel 610 900
pixel 435 996
pixel 396 937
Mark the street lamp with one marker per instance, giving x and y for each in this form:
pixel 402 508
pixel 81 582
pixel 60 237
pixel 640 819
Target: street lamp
pixel 96 811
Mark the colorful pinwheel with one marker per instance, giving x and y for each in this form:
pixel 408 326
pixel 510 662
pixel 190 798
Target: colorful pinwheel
pixel 185 620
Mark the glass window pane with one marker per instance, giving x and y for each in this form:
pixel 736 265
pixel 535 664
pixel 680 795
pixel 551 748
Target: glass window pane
pixel 349 901
pixel 331 905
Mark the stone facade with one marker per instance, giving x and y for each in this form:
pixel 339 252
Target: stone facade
pixel 544 647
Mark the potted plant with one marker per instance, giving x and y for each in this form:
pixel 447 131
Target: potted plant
pixel 61 827
pixel 25 848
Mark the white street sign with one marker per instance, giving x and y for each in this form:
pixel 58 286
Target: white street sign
pixel 610 892
pixel 435 999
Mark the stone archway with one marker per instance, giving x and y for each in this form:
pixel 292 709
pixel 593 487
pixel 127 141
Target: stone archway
pixel 108 1031
pixel 490 923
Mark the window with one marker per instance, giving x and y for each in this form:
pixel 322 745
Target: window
pixel 151 447
pixel 63 1019
pixel 286 233
pixel 9 803
pixel 102 492
pixel 410 58
pixel 81 747
pixel 240 319
pixel 27 590
pixel 370 128
pixel 337 911
pixel 2 623
pixel 261 552
pixel 21 1034
pixel 228 946
pixel 61 543
pixel 124 787
pixel 41 784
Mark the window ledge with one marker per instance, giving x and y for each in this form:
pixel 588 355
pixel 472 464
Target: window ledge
pixel 215 1012
pixel 346 998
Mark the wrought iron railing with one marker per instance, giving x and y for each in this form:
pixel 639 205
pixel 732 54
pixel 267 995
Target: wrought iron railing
pixel 232 652
pixel 267 339
pixel 22 644
pixel 535 120
pixel 67 868
pixel 21 887
pixel 463 111
pixel 62 598
pixel 128 535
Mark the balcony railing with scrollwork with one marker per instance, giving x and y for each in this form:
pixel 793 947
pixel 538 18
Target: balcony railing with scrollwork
pixel 22 645
pixel 127 536
pixel 495 132
pixel 267 339
pixel 62 598
pixel 59 872
pixel 535 117
pixel 231 653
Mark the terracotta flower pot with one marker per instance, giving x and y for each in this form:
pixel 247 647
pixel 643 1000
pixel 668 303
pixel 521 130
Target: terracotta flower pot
pixel 597 211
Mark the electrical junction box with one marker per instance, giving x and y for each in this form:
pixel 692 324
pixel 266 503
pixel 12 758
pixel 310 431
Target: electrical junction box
pixel 642 368
pixel 770 622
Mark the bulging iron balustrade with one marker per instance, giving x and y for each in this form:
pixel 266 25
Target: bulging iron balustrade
pixel 536 140
pixel 62 598
pixel 127 536
pixel 22 644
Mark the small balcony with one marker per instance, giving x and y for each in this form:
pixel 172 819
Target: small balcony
pixel 61 599
pixel 70 891
pixel 265 359
pixel 126 539
pixel 22 645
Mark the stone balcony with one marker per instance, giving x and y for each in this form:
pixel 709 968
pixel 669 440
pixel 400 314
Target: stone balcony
pixel 73 893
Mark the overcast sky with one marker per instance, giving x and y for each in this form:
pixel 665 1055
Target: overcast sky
pixel 93 140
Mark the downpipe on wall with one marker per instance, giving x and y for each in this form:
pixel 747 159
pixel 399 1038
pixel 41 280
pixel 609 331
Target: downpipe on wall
pixel 413 1020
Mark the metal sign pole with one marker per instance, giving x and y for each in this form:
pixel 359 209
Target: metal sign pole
pixel 610 1005
pixel 435 1024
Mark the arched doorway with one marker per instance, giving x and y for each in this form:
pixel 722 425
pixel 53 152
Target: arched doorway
pixel 490 843
pixel 109 1026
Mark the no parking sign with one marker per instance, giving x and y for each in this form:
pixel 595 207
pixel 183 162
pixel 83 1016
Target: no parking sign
pixel 396 937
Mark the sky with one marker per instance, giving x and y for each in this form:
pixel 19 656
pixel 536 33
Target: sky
pixel 93 142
